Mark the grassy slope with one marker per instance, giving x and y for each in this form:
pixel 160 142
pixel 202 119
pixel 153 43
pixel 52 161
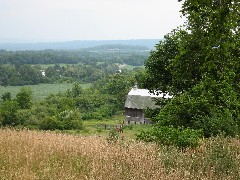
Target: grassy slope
pixel 47 155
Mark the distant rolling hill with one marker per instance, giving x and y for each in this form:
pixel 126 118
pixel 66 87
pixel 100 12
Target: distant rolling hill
pixel 117 47
pixel 78 44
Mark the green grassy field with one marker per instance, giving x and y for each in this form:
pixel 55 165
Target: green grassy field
pixel 105 126
pixel 40 91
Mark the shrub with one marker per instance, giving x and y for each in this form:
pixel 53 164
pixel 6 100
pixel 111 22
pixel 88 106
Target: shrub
pixel 221 156
pixel 129 126
pixel 6 96
pixel 50 123
pixel 8 111
pixel 97 115
pixel 210 107
pixel 113 136
pixel 170 136
pixel 70 119
pixel 23 115
pixel 220 122
pixel 24 98
pixel 151 113
pixel 72 125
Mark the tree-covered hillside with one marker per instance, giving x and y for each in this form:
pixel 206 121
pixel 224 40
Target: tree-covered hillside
pixel 84 65
pixel 132 55
pixel 150 43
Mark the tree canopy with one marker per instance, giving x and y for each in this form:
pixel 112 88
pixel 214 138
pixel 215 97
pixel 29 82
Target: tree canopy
pixel 199 63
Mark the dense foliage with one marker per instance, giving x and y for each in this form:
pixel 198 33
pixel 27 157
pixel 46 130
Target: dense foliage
pixel 66 111
pixel 170 136
pixel 53 66
pixel 99 66
pixel 134 56
pixel 18 75
pixel 199 65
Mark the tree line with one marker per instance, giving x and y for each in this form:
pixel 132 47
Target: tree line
pixel 26 74
pixel 134 57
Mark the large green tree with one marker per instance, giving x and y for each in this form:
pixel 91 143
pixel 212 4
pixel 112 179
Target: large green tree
pixel 24 98
pixel 199 64
pixel 206 46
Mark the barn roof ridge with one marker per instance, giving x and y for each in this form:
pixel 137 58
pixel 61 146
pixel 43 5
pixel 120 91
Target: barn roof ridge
pixel 142 98
pixel 145 92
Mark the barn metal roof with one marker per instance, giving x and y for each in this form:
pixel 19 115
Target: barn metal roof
pixel 142 99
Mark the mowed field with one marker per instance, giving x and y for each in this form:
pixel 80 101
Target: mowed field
pixel 30 155
pixel 40 91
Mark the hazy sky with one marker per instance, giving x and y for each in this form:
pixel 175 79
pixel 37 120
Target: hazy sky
pixel 60 20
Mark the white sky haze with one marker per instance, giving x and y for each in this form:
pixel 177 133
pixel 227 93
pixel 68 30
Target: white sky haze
pixel 62 20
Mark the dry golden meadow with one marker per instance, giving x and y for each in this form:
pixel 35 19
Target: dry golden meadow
pixel 27 155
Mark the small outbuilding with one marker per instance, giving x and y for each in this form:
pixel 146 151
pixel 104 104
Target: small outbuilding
pixel 137 101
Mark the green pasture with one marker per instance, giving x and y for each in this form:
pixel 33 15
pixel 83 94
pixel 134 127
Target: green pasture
pixel 40 91
pixel 105 126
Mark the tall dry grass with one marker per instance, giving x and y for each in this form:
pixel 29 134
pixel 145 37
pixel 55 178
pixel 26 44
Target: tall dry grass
pixel 45 155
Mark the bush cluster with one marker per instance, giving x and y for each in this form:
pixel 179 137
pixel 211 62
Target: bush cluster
pixel 214 108
pixel 170 136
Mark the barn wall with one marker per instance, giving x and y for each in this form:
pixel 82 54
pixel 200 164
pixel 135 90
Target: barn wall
pixel 134 116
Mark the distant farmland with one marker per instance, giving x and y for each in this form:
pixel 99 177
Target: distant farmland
pixel 40 91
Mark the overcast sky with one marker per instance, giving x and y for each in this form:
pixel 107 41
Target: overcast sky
pixel 61 20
